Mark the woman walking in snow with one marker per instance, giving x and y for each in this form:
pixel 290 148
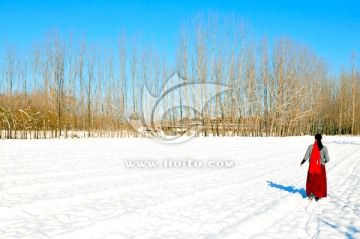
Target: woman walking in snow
pixel 316 185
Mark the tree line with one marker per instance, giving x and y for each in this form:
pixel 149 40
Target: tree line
pixel 67 88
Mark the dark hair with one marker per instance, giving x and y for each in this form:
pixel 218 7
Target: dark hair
pixel 318 138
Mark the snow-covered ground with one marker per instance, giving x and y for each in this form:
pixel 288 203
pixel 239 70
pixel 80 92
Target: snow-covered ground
pixel 81 188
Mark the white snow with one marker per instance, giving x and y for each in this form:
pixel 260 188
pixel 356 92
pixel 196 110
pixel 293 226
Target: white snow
pixel 80 188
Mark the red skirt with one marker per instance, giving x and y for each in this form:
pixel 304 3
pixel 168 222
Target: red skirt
pixel 316 183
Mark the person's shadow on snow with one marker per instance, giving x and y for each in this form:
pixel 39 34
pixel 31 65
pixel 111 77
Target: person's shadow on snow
pixel 290 189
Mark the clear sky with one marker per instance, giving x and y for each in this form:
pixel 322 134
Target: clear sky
pixel 331 28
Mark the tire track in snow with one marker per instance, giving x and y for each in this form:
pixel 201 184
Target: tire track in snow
pixel 255 154
pixel 223 191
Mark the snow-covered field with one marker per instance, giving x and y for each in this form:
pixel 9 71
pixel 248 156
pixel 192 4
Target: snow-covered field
pixel 81 188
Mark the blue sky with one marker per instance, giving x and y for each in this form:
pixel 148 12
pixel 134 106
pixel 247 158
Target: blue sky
pixel 331 28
